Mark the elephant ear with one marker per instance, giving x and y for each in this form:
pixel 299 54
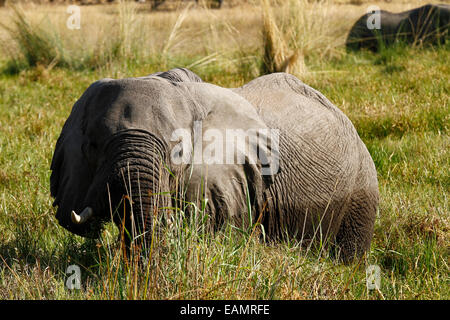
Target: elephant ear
pixel 71 177
pixel 238 158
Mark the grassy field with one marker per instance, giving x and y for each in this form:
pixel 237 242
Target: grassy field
pixel 398 100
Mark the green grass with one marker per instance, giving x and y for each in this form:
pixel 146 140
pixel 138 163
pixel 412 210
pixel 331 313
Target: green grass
pixel 399 102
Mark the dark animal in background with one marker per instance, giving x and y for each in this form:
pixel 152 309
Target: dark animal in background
pixel 429 24
pixel 115 148
pixel 156 3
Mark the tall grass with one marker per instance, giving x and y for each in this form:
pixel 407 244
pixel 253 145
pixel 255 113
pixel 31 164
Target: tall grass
pixel 121 37
pixel 275 48
pixel 36 44
pixel 289 33
pixel 41 42
pixel 315 27
pixel 188 261
pixel 297 29
pixel 402 119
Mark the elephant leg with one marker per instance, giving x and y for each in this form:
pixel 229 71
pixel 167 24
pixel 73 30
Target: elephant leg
pixel 356 230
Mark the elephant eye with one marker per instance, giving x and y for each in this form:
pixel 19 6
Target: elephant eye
pixel 93 145
pixel 88 147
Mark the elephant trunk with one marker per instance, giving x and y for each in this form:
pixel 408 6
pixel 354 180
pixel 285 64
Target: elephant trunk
pixel 137 182
pixel 133 177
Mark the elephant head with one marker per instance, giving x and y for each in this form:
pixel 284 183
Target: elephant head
pixel 114 156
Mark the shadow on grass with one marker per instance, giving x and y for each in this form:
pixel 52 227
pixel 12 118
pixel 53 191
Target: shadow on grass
pixel 30 252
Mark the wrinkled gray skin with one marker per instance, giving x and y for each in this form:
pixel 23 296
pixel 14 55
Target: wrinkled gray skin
pixel 427 24
pixel 121 130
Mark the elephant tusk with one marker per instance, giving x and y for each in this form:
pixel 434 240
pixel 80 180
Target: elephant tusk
pixel 83 217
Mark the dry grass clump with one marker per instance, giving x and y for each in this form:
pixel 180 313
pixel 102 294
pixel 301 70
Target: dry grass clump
pixel 294 30
pixel 277 56
pixel 36 45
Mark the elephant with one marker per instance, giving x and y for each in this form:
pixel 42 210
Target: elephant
pixel 428 24
pixel 130 144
